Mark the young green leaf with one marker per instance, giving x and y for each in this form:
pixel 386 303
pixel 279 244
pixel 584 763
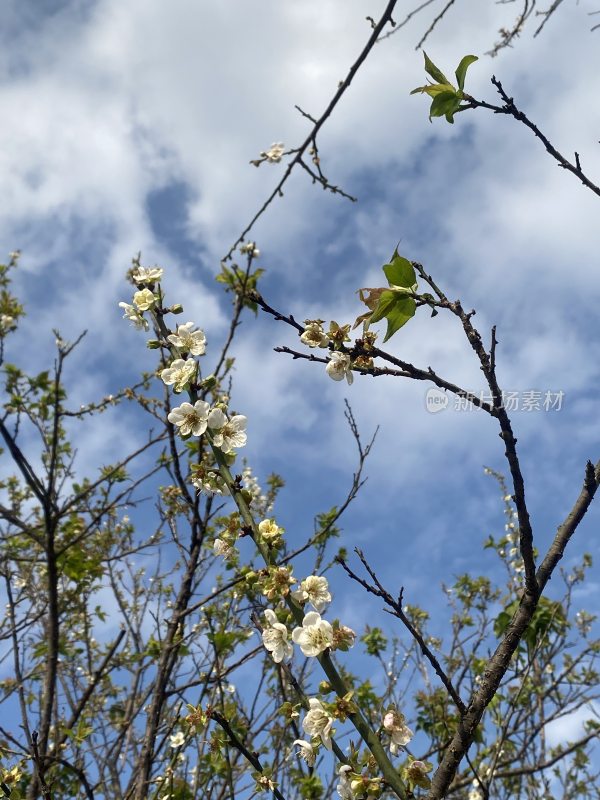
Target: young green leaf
pixel 398 315
pixel 431 69
pixel 386 301
pixel 462 68
pixel 400 272
pixel 444 104
pixel 434 88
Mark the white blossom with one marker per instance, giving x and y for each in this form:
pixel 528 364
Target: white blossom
pixel 344 787
pixel 275 638
pixel 318 722
pixel 187 339
pixel 274 153
pixel 222 548
pixel 6 322
pixel 314 335
pixel 177 739
pixel 269 530
pixel 229 433
pixel 475 793
pixel 306 751
pixel 209 481
pixel 134 316
pixel 190 418
pixel 400 733
pixel 315 589
pixel 180 373
pixel 315 635
pixel 340 367
pixel 250 248
pixel 147 274
pixel 144 299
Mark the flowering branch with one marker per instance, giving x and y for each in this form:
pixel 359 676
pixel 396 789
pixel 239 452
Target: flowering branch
pixel 314 635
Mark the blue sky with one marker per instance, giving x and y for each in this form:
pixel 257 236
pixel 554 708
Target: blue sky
pixel 130 126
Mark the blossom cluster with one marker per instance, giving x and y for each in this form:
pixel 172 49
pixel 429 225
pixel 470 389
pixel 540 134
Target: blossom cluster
pixel 318 725
pixel 192 419
pixel 316 634
pixel 340 364
pixel 250 249
pixel 508 547
pixel 274 154
pixel 195 419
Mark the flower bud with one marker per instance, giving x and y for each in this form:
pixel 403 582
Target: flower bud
pixel 209 382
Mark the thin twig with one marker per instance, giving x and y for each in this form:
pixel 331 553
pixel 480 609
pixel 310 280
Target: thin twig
pixel 510 109
pixel 386 17
pixel 396 606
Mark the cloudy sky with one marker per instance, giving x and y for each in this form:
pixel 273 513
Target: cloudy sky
pixel 130 126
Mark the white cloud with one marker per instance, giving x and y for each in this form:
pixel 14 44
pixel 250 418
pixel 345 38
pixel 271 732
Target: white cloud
pixel 112 103
pixel 570 727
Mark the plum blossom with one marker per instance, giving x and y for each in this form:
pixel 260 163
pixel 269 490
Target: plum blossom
pixel 315 589
pixel 318 722
pixel 190 418
pixel 417 771
pixel 147 274
pixel 400 733
pixel 180 373
pixel 344 787
pixel 143 299
pixel 270 531
pixel 187 339
pixel 274 153
pixel 6 322
pixel 208 480
pixel 177 739
pixel 275 637
pixel 314 335
pixel 229 433
pixel 475 792
pixel 340 367
pixel 250 248
pixel 306 751
pixel 134 316
pixel 343 638
pixel 223 548
pixel 315 635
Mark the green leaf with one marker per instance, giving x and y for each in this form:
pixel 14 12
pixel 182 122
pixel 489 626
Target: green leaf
pixel 403 309
pixel 431 69
pixel 444 104
pixel 462 68
pixel 434 88
pixel 400 272
pixel 386 301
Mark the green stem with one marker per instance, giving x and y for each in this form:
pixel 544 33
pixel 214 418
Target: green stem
pixel 335 679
